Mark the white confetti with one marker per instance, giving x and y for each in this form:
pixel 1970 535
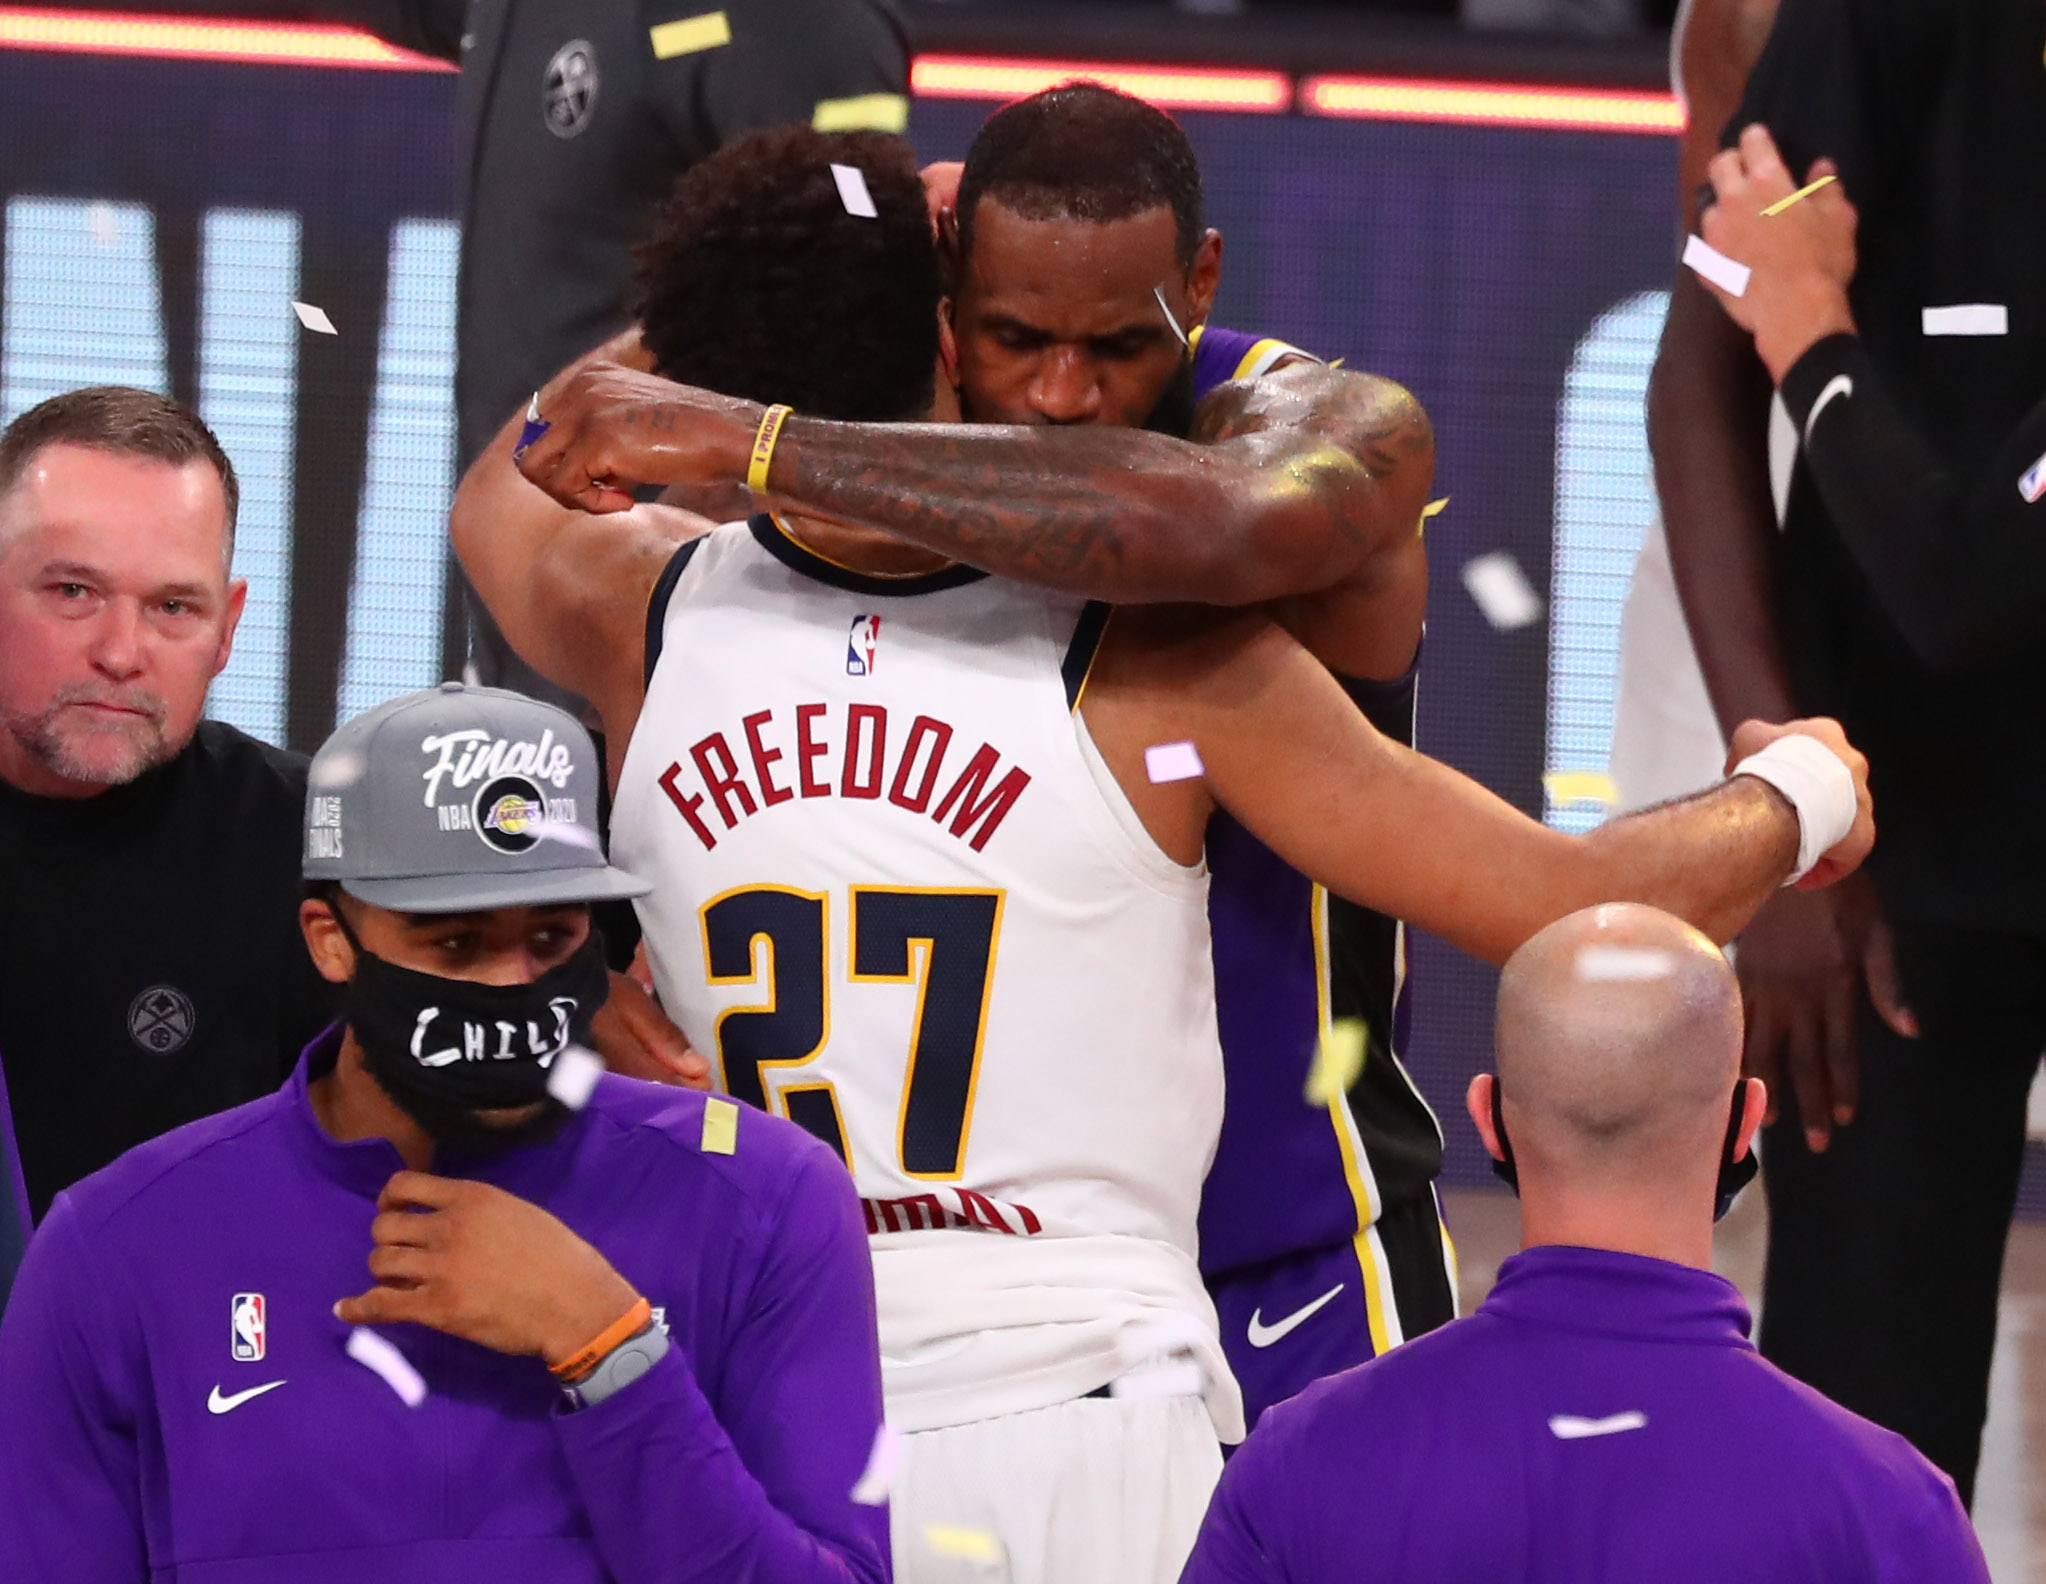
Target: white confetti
pixel 572 1078
pixel 568 833
pixel 1568 1427
pixel 1173 761
pixel 1623 964
pixel 882 1462
pixel 1502 591
pixel 852 192
pixel 1966 319
pixel 1729 275
pixel 376 1353
pixel 314 318
pixel 103 224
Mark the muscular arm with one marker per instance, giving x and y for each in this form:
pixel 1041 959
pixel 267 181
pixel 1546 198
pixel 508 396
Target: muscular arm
pixel 1286 753
pixel 1708 412
pixel 1319 471
pixel 569 590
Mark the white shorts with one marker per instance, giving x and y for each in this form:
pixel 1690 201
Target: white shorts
pixel 1098 1491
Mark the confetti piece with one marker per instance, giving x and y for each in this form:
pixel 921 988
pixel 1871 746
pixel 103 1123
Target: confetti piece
pixel 874 112
pixel 970 1545
pixel 1173 761
pixel 314 318
pixel 720 1127
pixel 103 224
pixel 1166 309
pixel 1338 1060
pixel 882 1462
pixel 1966 319
pixel 1568 1427
pixel 1729 275
pixel 1434 508
pixel 1336 363
pixel 572 1078
pixel 376 1353
pixel 852 192
pixel 2033 484
pixel 1565 787
pixel 1623 964
pixel 1803 192
pixel 568 833
pixel 1502 591
pixel 689 35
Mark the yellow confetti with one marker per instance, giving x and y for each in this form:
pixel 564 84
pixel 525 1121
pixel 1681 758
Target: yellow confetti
pixel 1579 786
pixel 690 34
pixel 720 1127
pixel 1338 1061
pixel 874 112
pixel 1806 191
pixel 971 1545
pixel 1335 363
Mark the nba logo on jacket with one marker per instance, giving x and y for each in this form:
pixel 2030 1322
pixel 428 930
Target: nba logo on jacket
pixel 246 1323
pixel 859 648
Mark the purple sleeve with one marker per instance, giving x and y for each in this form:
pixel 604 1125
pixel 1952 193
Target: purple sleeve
pixel 759 1490
pixel 70 1486
pixel 1931 1540
pixel 1230 1548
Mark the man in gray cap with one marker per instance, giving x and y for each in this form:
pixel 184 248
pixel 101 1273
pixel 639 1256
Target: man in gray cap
pixel 189 1365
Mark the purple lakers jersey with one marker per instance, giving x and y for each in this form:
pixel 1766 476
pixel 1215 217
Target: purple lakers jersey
pixel 1291 1176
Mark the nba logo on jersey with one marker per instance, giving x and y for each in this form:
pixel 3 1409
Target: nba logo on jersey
pixel 859 648
pixel 246 1323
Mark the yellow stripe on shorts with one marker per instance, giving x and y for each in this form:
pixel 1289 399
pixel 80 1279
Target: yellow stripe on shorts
pixel 874 112
pixel 690 34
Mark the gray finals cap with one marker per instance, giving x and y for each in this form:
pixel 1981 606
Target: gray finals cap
pixel 458 799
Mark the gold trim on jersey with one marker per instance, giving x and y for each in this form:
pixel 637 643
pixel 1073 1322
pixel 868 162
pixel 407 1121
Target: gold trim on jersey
pixel 919 973
pixel 1381 1309
pixel 771 978
pixel 780 1101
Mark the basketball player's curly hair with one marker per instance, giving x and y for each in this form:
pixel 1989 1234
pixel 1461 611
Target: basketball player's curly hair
pixel 757 281
pixel 1083 152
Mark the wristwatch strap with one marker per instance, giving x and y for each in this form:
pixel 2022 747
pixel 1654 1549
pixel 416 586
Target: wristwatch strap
pixel 620 1367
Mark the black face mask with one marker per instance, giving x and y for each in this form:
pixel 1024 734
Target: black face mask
pixel 458 1047
pixel 1734 1175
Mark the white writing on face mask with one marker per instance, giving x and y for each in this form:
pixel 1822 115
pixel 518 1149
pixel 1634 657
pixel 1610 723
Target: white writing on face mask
pixel 464 756
pixel 475 1044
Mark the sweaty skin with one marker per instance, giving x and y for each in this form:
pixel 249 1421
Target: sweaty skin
pixel 1284 750
pixel 1300 492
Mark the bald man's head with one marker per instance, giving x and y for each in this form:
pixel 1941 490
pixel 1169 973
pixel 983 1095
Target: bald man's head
pixel 1619 1040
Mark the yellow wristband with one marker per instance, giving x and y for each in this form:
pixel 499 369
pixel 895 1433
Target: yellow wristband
pixel 763 447
pixel 591 1353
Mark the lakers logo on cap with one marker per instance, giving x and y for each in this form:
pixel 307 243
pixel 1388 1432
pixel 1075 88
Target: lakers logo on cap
pixel 508 813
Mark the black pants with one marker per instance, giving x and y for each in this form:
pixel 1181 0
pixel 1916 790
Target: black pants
pixel 1886 1251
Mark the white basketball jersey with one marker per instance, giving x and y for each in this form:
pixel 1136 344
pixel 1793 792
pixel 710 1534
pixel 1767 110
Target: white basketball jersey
pixel 899 900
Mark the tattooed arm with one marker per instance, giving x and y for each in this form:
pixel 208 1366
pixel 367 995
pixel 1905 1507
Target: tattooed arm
pixel 1294 483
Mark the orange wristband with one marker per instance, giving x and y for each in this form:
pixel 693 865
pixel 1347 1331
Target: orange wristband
pixel 763 447
pixel 586 1357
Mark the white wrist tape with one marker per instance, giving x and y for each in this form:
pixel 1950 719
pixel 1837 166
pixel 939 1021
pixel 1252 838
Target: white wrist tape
pixel 1820 787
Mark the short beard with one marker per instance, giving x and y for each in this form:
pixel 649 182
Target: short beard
pixel 461 1129
pixel 95 754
